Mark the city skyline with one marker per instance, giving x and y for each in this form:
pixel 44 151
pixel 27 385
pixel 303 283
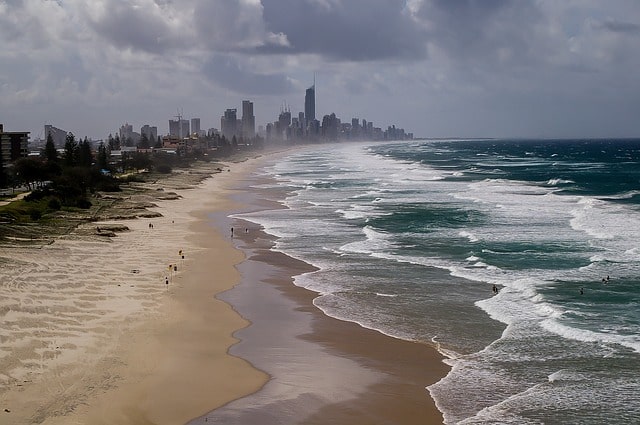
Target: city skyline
pixel 459 68
pixel 304 126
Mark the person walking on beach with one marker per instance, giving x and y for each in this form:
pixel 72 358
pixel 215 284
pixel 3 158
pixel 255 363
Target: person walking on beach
pixel 232 232
pixel 166 280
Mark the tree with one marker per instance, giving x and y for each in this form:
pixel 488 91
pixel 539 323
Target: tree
pixel 144 142
pixel 50 152
pixel 85 157
pixel 70 150
pixel 140 160
pixel 31 171
pixel 103 157
pixel 111 143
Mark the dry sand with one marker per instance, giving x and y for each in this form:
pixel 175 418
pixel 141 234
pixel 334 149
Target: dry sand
pixel 90 333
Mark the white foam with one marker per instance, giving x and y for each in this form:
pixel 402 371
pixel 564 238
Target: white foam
pixel 584 335
pixel 469 235
pixel 556 182
pixel 379 294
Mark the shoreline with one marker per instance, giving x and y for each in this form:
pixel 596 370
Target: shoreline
pixel 113 343
pixel 109 341
pixel 372 378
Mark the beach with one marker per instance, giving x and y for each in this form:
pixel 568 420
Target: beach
pixel 100 330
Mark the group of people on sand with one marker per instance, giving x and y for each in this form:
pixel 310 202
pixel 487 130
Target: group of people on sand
pixel 246 230
pixel 173 267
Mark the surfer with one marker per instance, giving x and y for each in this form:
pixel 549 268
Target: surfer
pixel 495 289
pixel 581 291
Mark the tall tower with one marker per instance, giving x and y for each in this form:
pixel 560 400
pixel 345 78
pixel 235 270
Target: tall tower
pixel 248 120
pixel 195 126
pixel 228 123
pixel 310 103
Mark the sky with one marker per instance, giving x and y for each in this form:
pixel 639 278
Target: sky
pixel 437 68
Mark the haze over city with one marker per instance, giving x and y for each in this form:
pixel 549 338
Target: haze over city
pixel 460 68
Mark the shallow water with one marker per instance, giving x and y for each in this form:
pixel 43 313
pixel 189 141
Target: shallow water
pixel 410 237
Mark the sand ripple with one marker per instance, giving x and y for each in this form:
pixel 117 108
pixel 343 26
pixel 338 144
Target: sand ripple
pixel 64 305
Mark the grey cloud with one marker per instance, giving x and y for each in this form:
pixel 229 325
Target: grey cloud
pixel 621 27
pixel 480 30
pixel 128 26
pixel 18 24
pixel 233 25
pixel 354 30
pixel 227 72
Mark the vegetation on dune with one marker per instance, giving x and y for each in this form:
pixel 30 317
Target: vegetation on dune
pixel 73 186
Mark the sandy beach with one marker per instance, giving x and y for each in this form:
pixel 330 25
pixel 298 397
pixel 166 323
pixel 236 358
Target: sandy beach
pixel 322 370
pixel 92 333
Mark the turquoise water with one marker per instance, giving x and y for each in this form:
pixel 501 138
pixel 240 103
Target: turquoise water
pixel 410 238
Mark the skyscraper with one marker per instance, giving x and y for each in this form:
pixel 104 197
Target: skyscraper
pixel 310 103
pixel 184 128
pixel 59 136
pixel 179 128
pixel 195 126
pixel 150 132
pixel 228 123
pixel 248 120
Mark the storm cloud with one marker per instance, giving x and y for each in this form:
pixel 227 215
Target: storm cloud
pixel 435 67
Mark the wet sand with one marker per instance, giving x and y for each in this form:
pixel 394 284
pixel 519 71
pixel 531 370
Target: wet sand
pixel 91 334
pixel 322 370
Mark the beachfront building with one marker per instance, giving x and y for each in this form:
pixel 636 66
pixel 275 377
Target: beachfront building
pixel 229 123
pixel 248 120
pixel 58 136
pixel 310 104
pixel 151 132
pixel 179 128
pixel 13 145
pixel 195 126
pixel 330 126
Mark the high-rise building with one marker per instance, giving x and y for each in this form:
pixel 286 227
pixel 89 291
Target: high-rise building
pixel 126 132
pixel 58 136
pixel 184 128
pixel 284 122
pixel 179 128
pixel 228 123
pixel 13 145
pixel 150 132
pixel 248 120
pixel 174 128
pixel 310 104
pixel 195 126
pixel 355 127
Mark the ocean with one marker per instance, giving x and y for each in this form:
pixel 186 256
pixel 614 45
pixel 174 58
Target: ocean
pixel 411 237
